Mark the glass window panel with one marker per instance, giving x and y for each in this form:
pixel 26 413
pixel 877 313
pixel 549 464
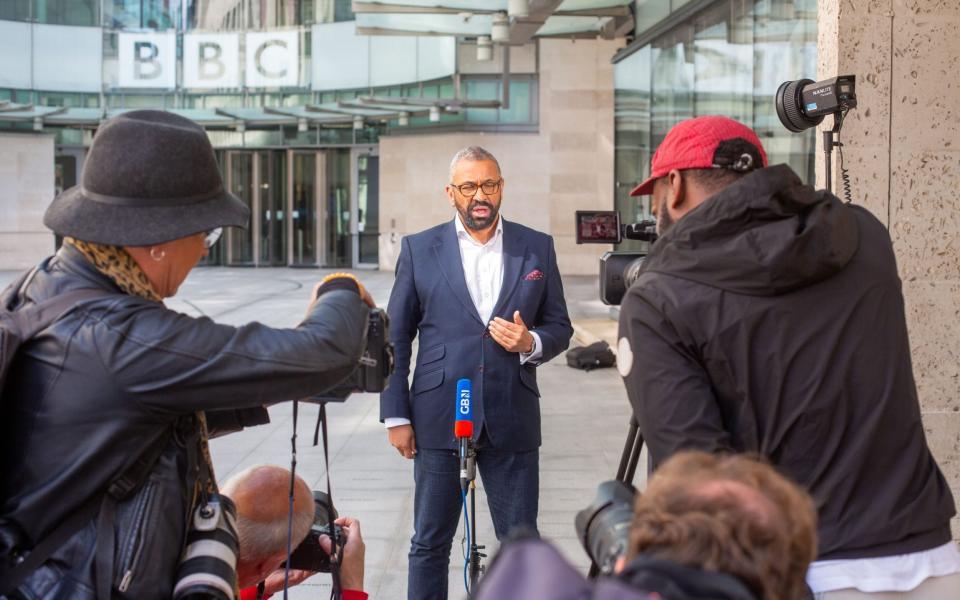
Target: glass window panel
pixel 785 48
pixel 482 89
pixel 651 12
pixel 141 14
pixel 338 209
pixel 520 103
pixel 632 119
pixel 728 59
pixel 673 82
pixel 66 12
pixel 723 63
pixel 14 66
pixel 218 15
pixel 15 10
pixel 273 178
pixel 304 207
pixel 241 185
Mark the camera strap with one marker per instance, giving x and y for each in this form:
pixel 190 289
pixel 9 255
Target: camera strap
pixel 321 427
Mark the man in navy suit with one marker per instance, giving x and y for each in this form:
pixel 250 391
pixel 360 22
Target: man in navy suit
pixel 486 299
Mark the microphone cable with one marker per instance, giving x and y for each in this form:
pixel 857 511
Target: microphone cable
pixel 844 173
pixel 467 550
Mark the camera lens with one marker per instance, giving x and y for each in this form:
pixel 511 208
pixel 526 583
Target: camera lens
pixel 604 526
pixel 790 106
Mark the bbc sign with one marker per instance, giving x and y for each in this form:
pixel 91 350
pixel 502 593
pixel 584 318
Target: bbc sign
pixel 210 60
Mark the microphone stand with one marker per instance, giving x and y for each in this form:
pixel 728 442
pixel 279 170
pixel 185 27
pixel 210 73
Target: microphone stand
pixel 468 476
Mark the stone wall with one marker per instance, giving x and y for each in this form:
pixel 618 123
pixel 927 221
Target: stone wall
pixel 567 165
pixel 902 149
pixel 26 170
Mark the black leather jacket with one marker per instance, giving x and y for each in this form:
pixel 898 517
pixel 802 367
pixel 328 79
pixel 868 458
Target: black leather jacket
pixel 87 394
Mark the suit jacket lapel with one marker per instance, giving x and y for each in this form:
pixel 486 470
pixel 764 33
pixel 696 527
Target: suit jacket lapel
pixel 447 249
pixel 514 255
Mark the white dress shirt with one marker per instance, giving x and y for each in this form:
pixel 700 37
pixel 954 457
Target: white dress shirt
pixel 483 271
pixel 899 573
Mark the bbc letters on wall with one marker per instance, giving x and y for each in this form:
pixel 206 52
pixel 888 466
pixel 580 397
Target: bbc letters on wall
pixel 210 60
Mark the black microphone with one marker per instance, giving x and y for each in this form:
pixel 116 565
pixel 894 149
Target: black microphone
pixel 463 430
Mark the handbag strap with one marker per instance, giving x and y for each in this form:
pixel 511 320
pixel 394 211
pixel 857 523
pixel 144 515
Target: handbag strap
pixel 13 574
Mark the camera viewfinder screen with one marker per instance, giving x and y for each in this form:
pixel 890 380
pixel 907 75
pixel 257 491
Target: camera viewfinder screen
pixel 598 227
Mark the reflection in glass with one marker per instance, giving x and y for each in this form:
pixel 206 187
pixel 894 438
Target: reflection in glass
pixel 84 13
pixel 241 185
pixel 368 208
pixel 141 14
pixel 338 209
pixel 304 208
pixel 728 59
pixel 273 177
pixel 233 15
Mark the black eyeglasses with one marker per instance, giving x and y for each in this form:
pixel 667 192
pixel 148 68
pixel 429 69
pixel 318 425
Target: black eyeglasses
pixel 211 237
pixel 469 189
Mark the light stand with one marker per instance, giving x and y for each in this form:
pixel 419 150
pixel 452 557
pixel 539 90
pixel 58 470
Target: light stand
pixel 829 143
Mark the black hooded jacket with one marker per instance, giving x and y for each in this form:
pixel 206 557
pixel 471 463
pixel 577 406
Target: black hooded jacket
pixel 770 319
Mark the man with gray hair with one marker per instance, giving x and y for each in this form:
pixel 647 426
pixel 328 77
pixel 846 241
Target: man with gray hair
pixel 486 299
pixel 261 495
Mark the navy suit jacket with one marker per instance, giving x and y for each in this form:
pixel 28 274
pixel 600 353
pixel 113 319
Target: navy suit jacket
pixel 430 299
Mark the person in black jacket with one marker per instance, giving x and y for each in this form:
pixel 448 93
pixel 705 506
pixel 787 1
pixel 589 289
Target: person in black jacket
pixel 105 413
pixel 769 318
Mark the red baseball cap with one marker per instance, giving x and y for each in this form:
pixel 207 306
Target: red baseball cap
pixel 693 144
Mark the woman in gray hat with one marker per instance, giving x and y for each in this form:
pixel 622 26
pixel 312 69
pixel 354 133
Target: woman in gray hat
pixel 103 423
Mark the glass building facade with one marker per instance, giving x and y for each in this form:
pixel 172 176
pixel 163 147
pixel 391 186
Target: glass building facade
pixel 279 85
pixel 726 57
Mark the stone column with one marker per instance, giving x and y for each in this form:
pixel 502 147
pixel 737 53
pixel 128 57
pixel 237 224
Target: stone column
pixel 26 170
pixel 902 149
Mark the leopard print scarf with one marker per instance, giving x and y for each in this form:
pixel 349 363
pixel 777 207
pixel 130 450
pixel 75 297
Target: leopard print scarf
pixel 116 263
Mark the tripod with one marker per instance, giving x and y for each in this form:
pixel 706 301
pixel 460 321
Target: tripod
pixel 628 467
pixel 468 480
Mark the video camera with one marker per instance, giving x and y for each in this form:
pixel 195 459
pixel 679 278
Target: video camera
pixel 618 270
pixel 376 364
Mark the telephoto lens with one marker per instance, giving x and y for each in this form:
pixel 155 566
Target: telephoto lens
pixel 208 568
pixel 604 526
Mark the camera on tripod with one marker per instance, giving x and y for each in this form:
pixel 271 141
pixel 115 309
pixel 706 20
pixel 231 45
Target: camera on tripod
pixel 376 364
pixel 618 270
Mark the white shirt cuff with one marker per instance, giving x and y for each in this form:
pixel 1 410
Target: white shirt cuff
pixel 535 354
pixel 395 422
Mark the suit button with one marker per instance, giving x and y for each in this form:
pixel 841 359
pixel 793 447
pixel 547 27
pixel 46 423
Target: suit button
pixel 481 368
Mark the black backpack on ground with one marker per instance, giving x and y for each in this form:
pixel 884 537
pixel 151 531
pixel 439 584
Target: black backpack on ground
pixel 595 356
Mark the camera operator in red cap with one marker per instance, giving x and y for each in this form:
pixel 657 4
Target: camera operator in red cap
pixel 769 318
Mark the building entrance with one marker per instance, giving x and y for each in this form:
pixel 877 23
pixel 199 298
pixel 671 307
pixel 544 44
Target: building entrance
pixel 308 208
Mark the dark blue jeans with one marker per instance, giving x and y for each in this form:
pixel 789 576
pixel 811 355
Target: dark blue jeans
pixel 511 481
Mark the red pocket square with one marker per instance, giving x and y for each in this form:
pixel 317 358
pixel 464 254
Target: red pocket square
pixel 534 275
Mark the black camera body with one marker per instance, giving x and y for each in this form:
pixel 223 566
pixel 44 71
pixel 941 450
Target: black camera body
pixel 309 555
pixel 376 364
pixel 618 270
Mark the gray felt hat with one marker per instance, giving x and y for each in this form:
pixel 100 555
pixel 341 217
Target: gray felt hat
pixel 150 177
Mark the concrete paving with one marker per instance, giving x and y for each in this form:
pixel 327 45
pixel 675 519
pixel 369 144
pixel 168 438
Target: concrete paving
pixel 585 419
